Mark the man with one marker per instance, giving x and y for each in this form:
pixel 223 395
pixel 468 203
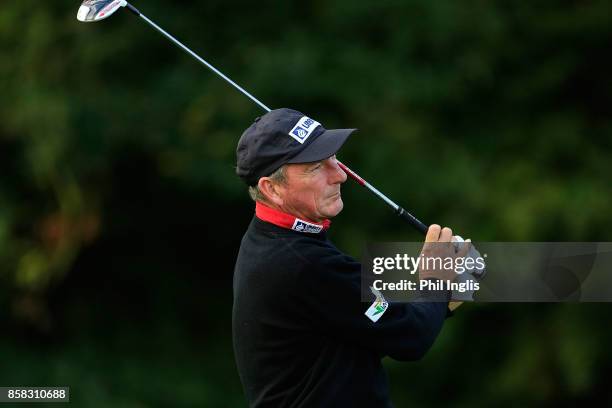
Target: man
pixel 301 334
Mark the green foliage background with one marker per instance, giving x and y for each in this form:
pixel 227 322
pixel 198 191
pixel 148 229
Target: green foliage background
pixel 120 214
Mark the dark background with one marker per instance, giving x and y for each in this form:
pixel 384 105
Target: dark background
pixel 121 216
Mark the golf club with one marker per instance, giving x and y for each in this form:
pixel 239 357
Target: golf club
pixel 96 10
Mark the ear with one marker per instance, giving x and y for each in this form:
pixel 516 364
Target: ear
pixel 271 190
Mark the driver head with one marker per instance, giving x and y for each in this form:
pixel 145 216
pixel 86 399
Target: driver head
pixel 96 10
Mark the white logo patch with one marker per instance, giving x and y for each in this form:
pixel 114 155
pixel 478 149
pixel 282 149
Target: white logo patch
pixel 378 308
pixel 303 226
pixel 303 129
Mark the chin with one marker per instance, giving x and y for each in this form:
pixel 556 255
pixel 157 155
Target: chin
pixel 335 208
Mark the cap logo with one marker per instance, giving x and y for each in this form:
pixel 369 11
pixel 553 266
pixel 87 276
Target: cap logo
pixel 303 129
pixel 303 226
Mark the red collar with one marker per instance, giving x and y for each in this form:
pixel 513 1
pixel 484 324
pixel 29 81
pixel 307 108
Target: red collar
pixel 288 221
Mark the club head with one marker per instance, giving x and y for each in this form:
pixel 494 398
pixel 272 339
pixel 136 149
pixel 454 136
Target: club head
pixel 96 10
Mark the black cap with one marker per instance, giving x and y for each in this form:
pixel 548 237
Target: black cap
pixel 284 136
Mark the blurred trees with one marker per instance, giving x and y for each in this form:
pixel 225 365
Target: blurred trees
pixel 491 117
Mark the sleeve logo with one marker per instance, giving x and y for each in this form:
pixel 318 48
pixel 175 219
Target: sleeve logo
pixel 378 308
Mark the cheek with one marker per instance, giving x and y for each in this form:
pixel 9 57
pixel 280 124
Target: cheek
pixel 303 197
pixel 312 197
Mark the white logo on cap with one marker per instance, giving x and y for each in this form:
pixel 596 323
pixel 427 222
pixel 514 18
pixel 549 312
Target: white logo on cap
pixel 303 129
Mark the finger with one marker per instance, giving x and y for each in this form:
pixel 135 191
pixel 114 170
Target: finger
pixel 465 248
pixel 446 235
pixel 433 233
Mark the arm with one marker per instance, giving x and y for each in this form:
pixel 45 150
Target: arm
pixel 330 300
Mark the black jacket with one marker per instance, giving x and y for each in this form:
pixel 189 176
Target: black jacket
pixel 301 337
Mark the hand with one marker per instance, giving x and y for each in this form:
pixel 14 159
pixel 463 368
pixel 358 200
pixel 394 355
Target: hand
pixel 478 270
pixel 437 249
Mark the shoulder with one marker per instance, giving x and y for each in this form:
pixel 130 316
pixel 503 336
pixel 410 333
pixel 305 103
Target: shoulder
pixel 268 247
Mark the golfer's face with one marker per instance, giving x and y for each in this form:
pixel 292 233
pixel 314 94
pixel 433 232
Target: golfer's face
pixel 313 189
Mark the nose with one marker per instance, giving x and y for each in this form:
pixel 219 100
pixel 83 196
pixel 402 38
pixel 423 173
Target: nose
pixel 338 175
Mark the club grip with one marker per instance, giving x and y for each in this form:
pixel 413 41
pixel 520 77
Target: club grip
pixel 412 220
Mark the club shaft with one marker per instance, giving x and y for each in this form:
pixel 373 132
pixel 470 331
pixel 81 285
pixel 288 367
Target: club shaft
pixel 196 56
pixel 411 219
